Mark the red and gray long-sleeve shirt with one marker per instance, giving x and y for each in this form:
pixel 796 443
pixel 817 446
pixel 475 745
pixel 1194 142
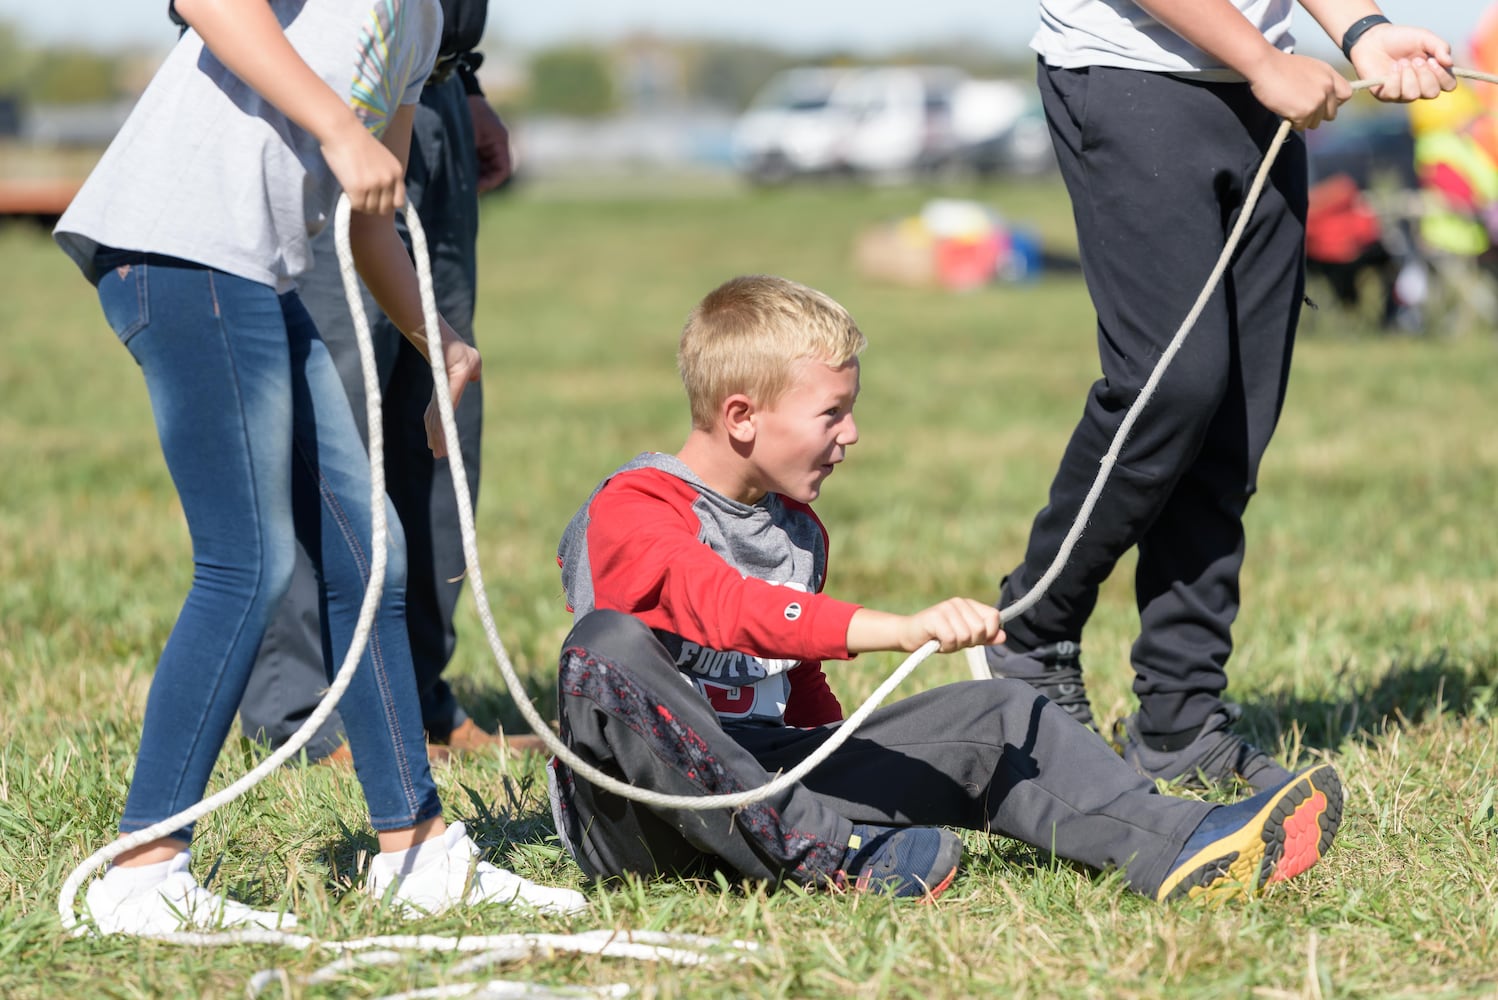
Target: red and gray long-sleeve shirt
pixel 732 590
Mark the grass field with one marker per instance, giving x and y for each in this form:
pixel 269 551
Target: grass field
pixel 1368 631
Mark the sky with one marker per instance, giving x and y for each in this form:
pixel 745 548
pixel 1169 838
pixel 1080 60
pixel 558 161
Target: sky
pixel 869 27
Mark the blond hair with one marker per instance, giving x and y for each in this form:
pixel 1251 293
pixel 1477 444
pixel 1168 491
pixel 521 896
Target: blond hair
pixel 746 335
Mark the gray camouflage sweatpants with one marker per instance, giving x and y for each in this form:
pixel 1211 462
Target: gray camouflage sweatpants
pixel 984 755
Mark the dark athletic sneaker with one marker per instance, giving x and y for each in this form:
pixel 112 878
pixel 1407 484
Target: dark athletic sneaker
pixel 915 861
pixel 1055 670
pixel 1241 849
pixel 1215 756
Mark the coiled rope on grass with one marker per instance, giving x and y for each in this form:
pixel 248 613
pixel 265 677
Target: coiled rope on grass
pixel 68 894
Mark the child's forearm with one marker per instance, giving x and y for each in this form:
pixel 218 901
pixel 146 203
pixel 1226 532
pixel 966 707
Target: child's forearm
pixel 1410 63
pixel 383 263
pixel 870 631
pixel 1304 90
pixel 1336 16
pixel 956 623
pixel 385 266
pixel 246 37
pixel 382 259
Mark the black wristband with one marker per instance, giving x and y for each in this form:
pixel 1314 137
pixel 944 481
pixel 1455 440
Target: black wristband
pixel 1358 29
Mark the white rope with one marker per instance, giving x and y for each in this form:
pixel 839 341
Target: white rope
pixel 498 989
pixel 495 949
pixel 68 894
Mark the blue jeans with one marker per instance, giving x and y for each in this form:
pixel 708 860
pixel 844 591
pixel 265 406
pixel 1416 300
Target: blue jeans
pixel 262 446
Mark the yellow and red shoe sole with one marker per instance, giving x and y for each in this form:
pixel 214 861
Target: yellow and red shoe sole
pixel 928 894
pixel 936 890
pixel 1290 834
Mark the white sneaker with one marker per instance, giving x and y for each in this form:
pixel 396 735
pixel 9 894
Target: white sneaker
pixel 451 872
pixel 176 903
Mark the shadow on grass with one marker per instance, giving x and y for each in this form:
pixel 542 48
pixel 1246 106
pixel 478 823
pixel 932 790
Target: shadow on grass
pixel 515 814
pixel 499 814
pixel 1407 693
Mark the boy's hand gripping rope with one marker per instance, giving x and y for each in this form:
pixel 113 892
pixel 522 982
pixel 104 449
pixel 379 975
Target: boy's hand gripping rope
pixel 68 895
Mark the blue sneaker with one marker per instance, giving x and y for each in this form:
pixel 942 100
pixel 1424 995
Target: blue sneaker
pixel 1240 849
pixel 914 861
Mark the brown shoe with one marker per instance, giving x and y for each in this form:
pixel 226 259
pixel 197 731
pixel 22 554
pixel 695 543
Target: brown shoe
pixel 525 743
pixel 470 737
pixel 343 758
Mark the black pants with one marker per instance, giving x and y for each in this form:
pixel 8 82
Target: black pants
pixel 291 671
pixel 985 755
pixel 1157 169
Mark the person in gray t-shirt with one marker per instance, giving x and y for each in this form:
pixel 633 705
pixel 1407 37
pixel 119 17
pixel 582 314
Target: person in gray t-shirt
pixel 1161 112
pixel 194 227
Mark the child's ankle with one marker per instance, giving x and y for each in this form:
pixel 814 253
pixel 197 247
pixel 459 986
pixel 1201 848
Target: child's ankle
pixel 133 878
pixel 417 856
pixel 395 841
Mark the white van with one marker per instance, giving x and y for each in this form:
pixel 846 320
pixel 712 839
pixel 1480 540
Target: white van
pixel 880 122
pixel 902 119
pixel 791 129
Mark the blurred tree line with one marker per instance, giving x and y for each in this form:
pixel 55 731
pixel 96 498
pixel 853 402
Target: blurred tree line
pixel 60 74
pixel 582 80
pixel 594 80
pixel 586 80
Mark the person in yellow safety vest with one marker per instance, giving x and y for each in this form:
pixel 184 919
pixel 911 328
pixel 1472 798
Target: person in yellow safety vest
pixel 1456 156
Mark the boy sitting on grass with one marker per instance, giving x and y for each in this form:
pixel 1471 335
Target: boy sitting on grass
pixel 695 667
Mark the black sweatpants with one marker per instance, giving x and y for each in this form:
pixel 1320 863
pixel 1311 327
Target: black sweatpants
pixel 1158 168
pixel 985 755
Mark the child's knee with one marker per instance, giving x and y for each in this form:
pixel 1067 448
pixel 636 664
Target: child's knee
pixel 277 566
pixel 613 635
pixel 1196 400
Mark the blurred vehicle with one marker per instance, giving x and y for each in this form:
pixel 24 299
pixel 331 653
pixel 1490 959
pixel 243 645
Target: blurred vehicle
pixel 902 120
pixel 791 129
pixel 884 123
pixel 1020 145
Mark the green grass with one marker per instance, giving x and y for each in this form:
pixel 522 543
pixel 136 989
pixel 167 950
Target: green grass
pixel 1367 633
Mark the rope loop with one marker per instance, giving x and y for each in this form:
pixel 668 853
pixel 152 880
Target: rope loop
pixel 67 896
